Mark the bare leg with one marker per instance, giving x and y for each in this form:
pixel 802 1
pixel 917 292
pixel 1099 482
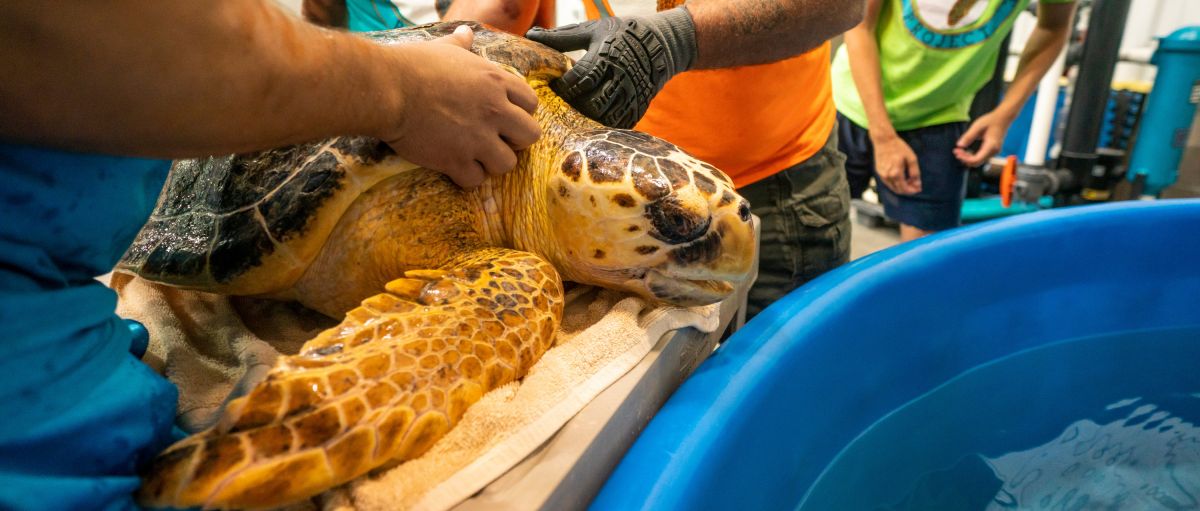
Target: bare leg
pixel 909 233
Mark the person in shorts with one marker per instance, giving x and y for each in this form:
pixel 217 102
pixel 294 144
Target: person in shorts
pixel 903 85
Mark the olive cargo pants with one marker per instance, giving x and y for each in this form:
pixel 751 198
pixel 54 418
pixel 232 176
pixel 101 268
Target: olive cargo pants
pixel 804 214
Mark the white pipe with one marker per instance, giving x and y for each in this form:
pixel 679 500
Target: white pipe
pixel 1043 113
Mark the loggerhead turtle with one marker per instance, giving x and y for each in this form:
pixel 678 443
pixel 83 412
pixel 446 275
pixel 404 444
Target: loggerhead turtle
pixel 446 293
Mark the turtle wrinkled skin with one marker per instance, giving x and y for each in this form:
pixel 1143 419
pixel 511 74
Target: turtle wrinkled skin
pixel 445 293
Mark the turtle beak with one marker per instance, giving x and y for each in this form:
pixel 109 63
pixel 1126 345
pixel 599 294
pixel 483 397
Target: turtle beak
pixel 685 292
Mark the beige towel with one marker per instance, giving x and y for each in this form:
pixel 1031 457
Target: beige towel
pixel 207 343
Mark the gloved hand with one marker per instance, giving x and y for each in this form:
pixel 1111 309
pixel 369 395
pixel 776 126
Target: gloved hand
pixel 627 62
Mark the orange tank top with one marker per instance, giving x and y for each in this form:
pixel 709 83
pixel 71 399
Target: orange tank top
pixel 749 121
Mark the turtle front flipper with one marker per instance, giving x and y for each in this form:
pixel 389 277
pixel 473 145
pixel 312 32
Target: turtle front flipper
pixel 381 387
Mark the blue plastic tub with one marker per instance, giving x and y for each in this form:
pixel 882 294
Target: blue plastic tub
pixel 761 420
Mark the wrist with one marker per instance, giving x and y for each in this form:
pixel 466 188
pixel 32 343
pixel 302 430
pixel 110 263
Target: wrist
pixel 881 134
pixel 679 32
pixel 1006 113
pixel 392 76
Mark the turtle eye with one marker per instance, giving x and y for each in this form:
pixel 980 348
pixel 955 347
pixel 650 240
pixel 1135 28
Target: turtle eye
pixel 744 211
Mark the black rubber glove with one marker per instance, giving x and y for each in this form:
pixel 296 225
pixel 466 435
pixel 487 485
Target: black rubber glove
pixel 628 61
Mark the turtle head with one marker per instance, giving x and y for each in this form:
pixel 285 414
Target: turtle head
pixel 632 212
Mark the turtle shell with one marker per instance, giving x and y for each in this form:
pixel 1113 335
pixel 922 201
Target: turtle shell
pixel 251 223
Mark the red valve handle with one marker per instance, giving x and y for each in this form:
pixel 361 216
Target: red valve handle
pixel 1008 178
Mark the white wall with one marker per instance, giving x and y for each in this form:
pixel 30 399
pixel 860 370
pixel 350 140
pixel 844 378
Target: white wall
pixel 1148 20
pixel 291 5
pixel 571 11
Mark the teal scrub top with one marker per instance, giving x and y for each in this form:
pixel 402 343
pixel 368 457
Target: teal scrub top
pixel 78 412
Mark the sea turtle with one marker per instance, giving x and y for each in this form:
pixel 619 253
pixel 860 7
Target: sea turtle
pixel 446 293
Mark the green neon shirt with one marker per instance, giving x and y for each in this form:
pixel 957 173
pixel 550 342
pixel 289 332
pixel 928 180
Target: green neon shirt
pixel 934 54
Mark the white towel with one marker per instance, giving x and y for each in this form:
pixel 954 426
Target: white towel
pixel 207 343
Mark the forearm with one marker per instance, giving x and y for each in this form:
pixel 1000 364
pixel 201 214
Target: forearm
pixel 746 32
pixel 1042 48
pixel 175 78
pixel 863 50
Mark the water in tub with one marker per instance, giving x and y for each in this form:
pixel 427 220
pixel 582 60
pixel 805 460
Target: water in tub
pixel 1104 423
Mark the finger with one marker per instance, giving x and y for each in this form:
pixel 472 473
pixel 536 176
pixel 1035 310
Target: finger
pixel 990 148
pixel 899 184
pixel 497 158
pixel 967 159
pixel 522 95
pixel 964 157
pixel 519 130
pixel 462 37
pixel 579 88
pixel 882 176
pixel 892 185
pixel 914 175
pixel 890 179
pixel 577 81
pixel 568 38
pixel 467 175
pixel 594 97
pixel 986 151
pixel 971 135
pixel 618 104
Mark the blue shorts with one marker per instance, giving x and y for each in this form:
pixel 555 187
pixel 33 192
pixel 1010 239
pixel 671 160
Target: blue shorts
pixel 943 178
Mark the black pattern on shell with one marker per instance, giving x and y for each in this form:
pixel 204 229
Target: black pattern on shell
pixel 182 249
pixel 144 243
pixel 606 162
pixel 726 199
pixel 190 184
pixel 291 208
pixel 647 179
pixel 641 142
pixel 705 183
pixel 676 174
pixel 223 184
pixel 240 246
pixel 205 221
pixel 717 174
pixel 572 166
pixel 364 150
pixel 624 200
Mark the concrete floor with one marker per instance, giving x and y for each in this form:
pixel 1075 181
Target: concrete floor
pixel 866 240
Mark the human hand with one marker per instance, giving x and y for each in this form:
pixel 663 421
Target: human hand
pixel 462 115
pixel 991 128
pixel 628 61
pixel 896 164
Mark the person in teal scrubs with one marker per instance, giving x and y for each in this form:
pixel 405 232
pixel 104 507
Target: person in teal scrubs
pixel 515 16
pixel 93 109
